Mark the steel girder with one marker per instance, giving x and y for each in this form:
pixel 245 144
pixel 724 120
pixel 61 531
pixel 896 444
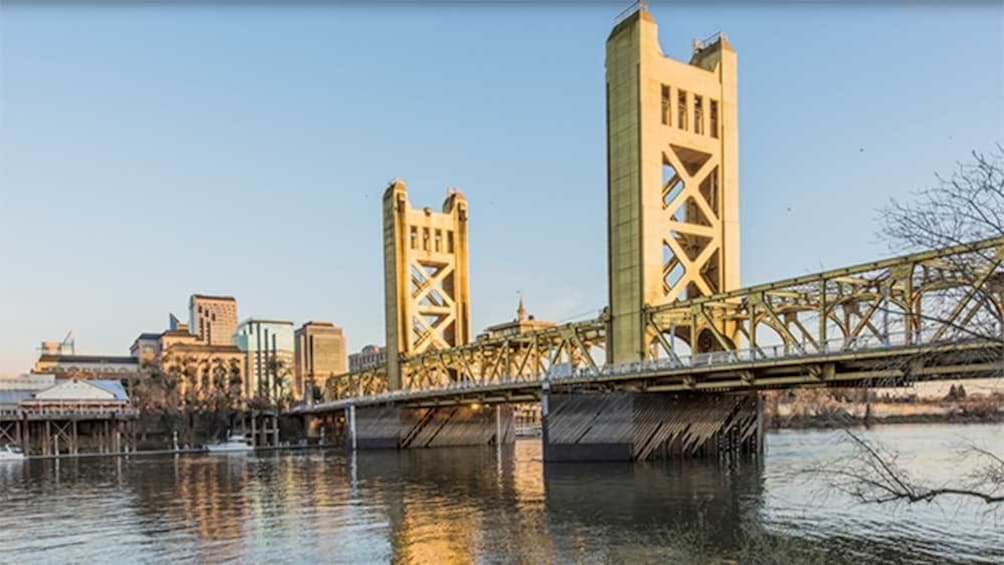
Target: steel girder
pixel 951 294
pixel 945 296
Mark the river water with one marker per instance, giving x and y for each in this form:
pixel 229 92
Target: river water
pixel 470 505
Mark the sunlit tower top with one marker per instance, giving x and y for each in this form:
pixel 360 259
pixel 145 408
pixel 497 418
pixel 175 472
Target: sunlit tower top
pixel 673 184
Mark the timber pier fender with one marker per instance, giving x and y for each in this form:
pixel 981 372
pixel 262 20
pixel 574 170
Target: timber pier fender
pixel 630 426
pixel 400 427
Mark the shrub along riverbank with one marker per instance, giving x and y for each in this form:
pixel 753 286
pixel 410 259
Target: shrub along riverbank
pixel 830 408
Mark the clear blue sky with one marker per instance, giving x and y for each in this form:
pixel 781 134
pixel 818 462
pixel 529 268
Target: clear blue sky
pixel 147 153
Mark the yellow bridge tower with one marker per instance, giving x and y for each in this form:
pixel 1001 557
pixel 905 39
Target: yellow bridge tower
pixel 673 178
pixel 428 303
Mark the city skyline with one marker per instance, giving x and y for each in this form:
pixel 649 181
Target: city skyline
pixel 158 228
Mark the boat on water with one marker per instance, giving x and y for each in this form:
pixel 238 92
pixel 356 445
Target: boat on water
pixel 11 453
pixel 235 443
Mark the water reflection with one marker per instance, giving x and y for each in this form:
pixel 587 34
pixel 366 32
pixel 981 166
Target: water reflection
pixel 446 504
pixel 434 506
pixel 670 496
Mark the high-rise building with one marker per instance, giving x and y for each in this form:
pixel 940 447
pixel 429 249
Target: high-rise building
pixel 268 349
pixel 320 353
pixel 427 301
pixel 196 358
pixel 213 319
pixel 368 357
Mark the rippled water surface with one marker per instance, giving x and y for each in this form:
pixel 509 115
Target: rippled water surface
pixel 469 504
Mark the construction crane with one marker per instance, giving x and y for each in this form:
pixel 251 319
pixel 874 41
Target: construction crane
pixel 68 342
pixel 65 347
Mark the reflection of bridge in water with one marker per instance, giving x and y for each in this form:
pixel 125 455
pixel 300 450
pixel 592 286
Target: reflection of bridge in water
pixel 674 362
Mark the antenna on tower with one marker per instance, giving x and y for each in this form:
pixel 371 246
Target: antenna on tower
pixel 636 6
pixel 68 342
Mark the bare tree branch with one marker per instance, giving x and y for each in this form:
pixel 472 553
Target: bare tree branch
pixel 872 476
pixel 960 210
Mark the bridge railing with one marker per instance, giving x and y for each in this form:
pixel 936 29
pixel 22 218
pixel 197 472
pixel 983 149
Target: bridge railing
pixel 716 359
pixel 934 297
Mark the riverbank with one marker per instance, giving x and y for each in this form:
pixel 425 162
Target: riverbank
pixel 814 410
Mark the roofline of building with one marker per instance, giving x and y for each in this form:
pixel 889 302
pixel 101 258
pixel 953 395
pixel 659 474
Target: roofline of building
pixel 88 358
pixel 177 332
pixel 519 323
pixel 320 323
pixel 203 347
pixel 264 321
pixel 212 297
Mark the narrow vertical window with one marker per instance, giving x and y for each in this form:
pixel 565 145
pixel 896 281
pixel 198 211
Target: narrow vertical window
pixel 681 109
pixel 449 241
pixel 439 241
pixel 425 239
pixel 713 118
pixel 698 114
pixel 413 236
pixel 666 109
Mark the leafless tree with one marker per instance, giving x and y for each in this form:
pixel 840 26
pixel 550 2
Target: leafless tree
pixel 963 210
pixel 968 206
pixel 873 475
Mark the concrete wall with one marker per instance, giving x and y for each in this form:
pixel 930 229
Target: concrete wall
pixel 393 427
pixel 638 426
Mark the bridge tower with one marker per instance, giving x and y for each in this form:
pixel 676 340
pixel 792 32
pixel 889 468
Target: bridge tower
pixel 428 307
pixel 673 223
pixel 428 304
pixel 673 177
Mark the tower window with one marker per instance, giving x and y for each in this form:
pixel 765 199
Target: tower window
pixel 698 114
pixel 666 110
pixel 713 117
pixel 449 241
pixel 439 241
pixel 413 237
pixel 425 239
pixel 681 109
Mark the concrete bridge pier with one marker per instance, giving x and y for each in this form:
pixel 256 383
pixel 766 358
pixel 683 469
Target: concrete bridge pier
pixel 636 426
pixel 397 427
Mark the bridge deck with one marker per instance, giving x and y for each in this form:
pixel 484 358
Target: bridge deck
pixel 932 315
pixel 878 367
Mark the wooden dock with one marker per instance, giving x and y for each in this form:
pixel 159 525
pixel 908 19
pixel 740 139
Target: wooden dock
pixel 55 429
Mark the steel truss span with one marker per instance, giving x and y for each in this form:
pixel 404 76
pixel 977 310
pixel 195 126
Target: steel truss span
pixel 931 315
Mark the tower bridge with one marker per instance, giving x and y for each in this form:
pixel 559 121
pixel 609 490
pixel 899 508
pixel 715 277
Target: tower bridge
pixel 674 362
